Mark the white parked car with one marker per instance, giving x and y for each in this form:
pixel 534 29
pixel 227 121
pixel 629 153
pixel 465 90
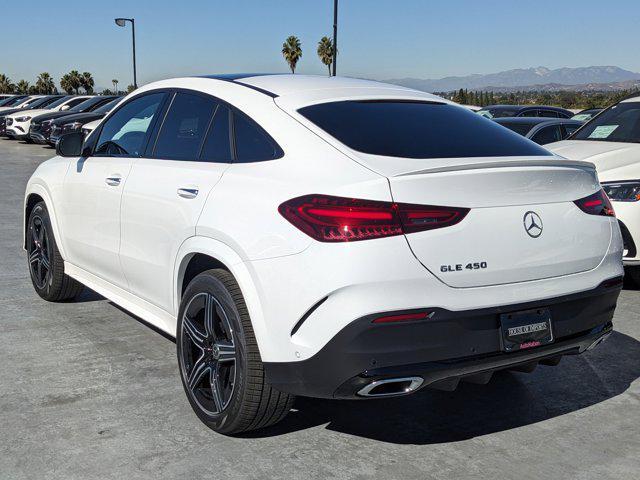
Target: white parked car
pixel 326 237
pixel 89 127
pixel 18 123
pixel 611 141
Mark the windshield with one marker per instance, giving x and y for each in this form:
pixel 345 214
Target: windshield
pixel 6 102
pixel 415 129
pixel 36 102
pixel 57 102
pixel 620 123
pixel 107 106
pixel 86 105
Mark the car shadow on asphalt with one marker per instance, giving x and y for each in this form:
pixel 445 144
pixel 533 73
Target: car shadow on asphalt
pixel 509 401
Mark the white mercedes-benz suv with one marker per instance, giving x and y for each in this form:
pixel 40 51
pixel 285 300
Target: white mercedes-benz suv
pixel 327 237
pixel 611 141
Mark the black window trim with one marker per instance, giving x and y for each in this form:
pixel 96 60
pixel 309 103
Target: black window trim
pixel 163 109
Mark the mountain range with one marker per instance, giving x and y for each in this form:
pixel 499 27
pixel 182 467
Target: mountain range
pixel 539 78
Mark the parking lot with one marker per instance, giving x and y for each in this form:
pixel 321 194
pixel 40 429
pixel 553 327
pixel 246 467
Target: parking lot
pixel 88 391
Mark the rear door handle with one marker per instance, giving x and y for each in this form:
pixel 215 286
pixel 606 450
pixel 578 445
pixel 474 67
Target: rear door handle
pixel 188 192
pixel 113 179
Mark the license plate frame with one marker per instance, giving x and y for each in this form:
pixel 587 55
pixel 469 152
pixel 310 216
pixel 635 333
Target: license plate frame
pixel 526 329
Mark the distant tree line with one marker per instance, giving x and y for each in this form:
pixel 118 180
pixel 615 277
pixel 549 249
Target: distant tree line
pixel 565 99
pixel 70 83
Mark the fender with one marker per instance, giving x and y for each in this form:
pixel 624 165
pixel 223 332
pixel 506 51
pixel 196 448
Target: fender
pixel 234 263
pixel 36 186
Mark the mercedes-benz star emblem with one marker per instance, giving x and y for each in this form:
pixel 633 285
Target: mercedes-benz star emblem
pixel 532 224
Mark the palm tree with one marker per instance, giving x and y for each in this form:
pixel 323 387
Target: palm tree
pixel 5 84
pixel 44 84
pixel 326 52
pixel 22 87
pixel 292 51
pixel 86 80
pixel 74 81
pixel 65 83
pixel 115 85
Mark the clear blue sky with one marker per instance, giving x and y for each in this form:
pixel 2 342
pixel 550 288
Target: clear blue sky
pixel 377 38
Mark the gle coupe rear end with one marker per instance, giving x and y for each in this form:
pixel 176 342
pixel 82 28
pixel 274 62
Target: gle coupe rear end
pixel 327 237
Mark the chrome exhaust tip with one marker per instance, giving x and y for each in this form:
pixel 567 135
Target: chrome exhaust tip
pixel 599 341
pixel 391 387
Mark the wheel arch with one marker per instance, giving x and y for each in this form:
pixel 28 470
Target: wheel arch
pixel 198 254
pixel 37 193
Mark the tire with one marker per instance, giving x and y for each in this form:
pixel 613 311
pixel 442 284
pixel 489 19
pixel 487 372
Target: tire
pixel 634 275
pixel 46 266
pixel 241 399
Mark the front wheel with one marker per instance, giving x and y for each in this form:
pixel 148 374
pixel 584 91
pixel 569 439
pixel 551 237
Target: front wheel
pixel 46 265
pixel 220 365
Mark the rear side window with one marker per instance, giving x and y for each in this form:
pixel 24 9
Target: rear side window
pixel 217 146
pixel 547 135
pixel 549 113
pixel 252 143
pixel 417 130
pixel 184 127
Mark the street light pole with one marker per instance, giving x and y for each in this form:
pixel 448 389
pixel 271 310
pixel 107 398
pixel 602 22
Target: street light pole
pixel 121 22
pixel 335 35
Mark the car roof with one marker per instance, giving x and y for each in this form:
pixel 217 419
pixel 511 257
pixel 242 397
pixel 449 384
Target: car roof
pixel 534 120
pixel 520 107
pixel 278 85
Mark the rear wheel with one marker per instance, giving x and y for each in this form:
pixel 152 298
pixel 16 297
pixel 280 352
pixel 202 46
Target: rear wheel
pixel 220 365
pixel 46 265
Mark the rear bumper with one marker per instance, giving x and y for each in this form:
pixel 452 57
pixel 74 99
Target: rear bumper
pixel 442 350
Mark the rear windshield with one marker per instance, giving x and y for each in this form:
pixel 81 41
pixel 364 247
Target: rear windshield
pixel 411 129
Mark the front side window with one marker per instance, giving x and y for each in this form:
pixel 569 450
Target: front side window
pixel 125 132
pixel 529 113
pixel 620 123
pixel 184 127
pixel 252 143
pixel 417 129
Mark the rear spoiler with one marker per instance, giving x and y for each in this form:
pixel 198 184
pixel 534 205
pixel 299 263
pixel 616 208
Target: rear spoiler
pixel 556 162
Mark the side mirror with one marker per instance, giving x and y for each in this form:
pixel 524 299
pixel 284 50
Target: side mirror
pixel 70 145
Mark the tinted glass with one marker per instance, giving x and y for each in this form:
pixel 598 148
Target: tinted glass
pixel 547 135
pixel 7 102
pixel 74 102
pixel 184 127
pixel 529 113
pixel 55 101
pixel 88 104
pixel 549 113
pixel 124 133
pixel 252 144
pixel 569 129
pixel 620 123
pixel 501 112
pixel 417 130
pixel 106 108
pixel 520 128
pixel 217 147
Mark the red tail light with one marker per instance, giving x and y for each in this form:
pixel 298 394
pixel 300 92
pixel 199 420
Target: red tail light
pixel 337 219
pixel 596 204
pixel 403 317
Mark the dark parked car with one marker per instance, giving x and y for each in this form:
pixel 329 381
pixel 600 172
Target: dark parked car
pixel 74 123
pixel 41 126
pixel 36 102
pixel 500 111
pixel 541 130
pixel 586 115
pixel 10 100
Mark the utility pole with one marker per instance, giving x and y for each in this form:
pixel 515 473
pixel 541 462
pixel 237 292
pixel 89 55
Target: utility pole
pixel 335 35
